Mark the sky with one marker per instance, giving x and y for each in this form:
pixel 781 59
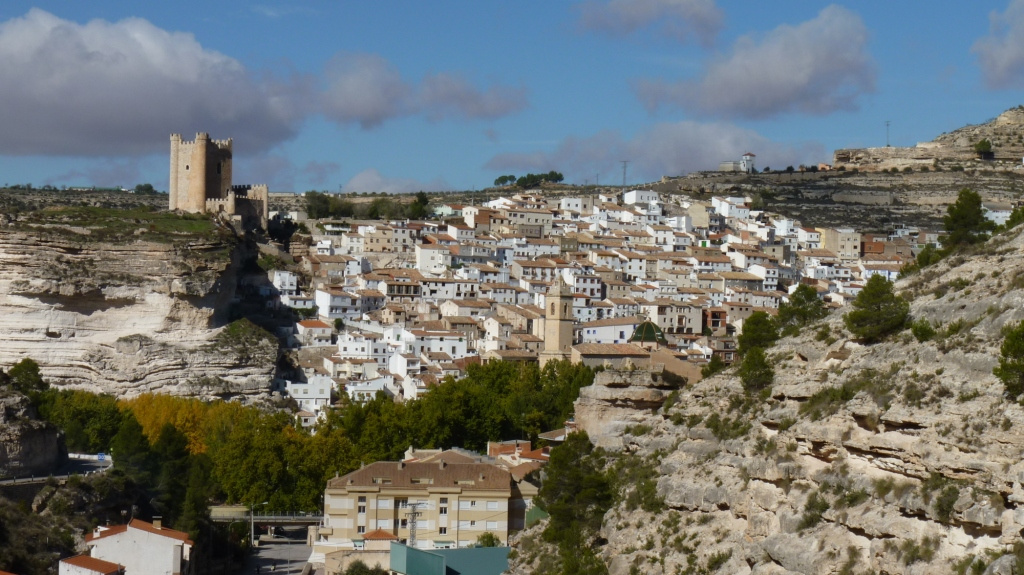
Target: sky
pixel 401 96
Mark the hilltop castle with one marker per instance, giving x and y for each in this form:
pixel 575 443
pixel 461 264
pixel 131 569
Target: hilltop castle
pixel 201 181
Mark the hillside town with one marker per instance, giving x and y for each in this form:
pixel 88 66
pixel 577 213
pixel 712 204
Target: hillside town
pixel 396 307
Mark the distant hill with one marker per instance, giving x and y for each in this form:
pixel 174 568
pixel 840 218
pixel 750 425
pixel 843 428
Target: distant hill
pixel 948 151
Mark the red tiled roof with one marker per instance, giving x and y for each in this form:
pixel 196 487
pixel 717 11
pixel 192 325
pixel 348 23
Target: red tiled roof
pixel 92 564
pixel 380 535
pixel 141 526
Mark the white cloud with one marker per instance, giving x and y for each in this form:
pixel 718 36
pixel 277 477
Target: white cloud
pixel 817 67
pixel 1001 53
pixel 669 149
pixel 368 90
pixel 451 95
pixel 121 88
pixel 678 19
pixel 364 88
pixel 373 181
pixel 105 88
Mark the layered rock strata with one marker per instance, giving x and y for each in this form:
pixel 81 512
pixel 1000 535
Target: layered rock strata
pixel 123 318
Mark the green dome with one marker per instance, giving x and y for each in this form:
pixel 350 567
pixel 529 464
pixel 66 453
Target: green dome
pixel 648 332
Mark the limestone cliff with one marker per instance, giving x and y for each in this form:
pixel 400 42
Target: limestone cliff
pixel 126 305
pixel 902 457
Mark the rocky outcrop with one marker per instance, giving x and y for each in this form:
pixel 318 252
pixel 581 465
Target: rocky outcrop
pixel 616 400
pixel 123 317
pixel 28 446
pixel 902 457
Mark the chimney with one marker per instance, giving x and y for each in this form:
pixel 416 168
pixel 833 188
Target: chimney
pixel 441 464
pixel 158 521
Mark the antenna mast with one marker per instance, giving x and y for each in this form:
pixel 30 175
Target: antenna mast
pixel 624 164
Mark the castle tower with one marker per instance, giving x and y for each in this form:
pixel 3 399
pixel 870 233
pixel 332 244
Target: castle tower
pixel 558 322
pixel 200 171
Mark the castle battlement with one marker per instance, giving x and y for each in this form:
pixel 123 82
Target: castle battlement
pixel 201 173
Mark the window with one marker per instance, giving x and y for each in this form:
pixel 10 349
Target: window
pixel 362 505
pixel 404 524
pixel 442 531
pixel 361 529
pixel 492 505
pixel 492 525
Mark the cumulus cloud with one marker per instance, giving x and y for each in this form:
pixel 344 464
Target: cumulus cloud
pixel 373 181
pixel 1001 53
pixel 120 88
pixel 106 88
pixel 368 90
pixel 678 19
pixel 669 149
pixel 817 67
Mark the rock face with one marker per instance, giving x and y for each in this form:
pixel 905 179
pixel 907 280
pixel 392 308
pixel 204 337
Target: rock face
pixel 902 457
pixel 124 318
pixel 27 446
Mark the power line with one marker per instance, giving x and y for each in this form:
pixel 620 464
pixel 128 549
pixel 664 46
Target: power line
pixel 413 515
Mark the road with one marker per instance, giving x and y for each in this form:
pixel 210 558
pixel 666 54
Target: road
pixel 78 464
pixel 289 558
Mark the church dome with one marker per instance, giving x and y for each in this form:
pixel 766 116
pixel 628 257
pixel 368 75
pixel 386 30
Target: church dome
pixel 648 332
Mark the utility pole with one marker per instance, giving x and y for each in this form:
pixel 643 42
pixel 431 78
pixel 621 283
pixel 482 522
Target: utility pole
pixel 413 514
pixel 887 133
pixel 624 164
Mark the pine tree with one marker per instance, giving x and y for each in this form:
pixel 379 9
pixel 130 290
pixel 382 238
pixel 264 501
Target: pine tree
pixel 877 311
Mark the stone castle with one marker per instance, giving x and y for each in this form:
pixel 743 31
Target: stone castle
pixel 201 182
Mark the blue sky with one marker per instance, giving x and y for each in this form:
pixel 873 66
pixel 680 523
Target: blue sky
pixel 402 96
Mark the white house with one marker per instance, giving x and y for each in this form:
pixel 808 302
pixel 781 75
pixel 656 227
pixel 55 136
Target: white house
pixel 611 330
pixel 640 197
pixel 313 395
pixel 141 547
pixel 285 282
pixel 313 332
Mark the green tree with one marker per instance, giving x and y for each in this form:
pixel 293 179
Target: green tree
pixel 982 147
pixel 755 371
pixel 714 366
pixel 26 378
pixel 144 189
pixel 1011 362
pixel 576 492
pixel 803 307
pixel 965 220
pixel 759 330
pixel 488 539
pixel 877 311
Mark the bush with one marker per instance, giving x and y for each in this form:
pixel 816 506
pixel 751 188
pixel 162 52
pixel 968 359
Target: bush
pixel 813 511
pixel 922 330
pixel 714 366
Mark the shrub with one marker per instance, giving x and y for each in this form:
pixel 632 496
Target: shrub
pixel 922 330
pixel 813 511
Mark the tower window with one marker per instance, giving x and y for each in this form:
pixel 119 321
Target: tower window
pixel 186 167
pixel 218 167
